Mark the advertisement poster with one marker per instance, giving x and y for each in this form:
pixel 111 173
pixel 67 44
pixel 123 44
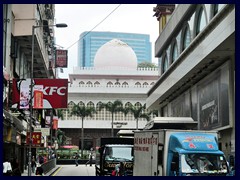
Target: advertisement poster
pixel 24 96
pixel 55 122
pixel 38 96
pixel 52 94
pixel 61 58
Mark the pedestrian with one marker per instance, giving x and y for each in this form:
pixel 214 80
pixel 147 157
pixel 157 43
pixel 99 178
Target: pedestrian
pixel 7 168
pixel 76 158
pixel 90 157
pixel 15 168
pixel 39 171
pixel 33 164
pixel 41 159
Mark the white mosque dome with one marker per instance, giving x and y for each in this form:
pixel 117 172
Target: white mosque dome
pixel 115 54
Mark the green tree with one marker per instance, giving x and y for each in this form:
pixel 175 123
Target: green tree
pixel 138 112
pixel 147 65
pixel 60 113
pixel 113 108
pixel 82 111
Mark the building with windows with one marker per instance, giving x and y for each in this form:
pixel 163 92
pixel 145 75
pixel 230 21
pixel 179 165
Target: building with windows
pixel 115 76
pixel 197 68
pixel 18 22
pixel 90 42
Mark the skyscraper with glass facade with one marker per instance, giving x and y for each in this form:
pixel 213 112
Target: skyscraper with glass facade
pixel 90 42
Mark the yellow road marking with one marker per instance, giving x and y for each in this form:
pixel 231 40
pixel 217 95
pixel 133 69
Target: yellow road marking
pixel 57 171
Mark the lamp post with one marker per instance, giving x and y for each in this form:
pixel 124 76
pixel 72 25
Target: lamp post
pixel 61 25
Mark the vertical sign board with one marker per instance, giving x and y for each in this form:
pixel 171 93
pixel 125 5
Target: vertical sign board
pixel 61 58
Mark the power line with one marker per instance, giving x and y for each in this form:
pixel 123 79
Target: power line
pixel 95 26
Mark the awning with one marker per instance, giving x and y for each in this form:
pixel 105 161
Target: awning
pixel 13 120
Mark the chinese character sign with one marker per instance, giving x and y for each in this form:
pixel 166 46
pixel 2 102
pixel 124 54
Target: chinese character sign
pixel 36 138
pixel 61 58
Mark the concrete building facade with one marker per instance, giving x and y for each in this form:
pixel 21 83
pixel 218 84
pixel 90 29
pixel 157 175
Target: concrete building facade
pixel 196 51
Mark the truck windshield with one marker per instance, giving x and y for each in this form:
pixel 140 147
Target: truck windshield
pixel 204 163
pixel 118 153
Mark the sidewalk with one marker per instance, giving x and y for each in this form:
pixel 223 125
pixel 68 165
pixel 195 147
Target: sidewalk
pixel 25 173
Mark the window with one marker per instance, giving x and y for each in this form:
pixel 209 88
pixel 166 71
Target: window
pixel 129 114
pixel 201 21
pixel 125 84
pixel 100 112
pixel 186 38
pixel 138 84
pixel 174 53
pixel 89 84
pixel 165 64
pixel 109 84
pixel 96 83
pixel 81 84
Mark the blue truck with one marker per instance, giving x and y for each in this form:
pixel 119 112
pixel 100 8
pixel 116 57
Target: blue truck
pixel 171 152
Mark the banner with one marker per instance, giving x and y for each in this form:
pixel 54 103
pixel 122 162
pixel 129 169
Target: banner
pixel 55 122
pixel 61 58
pixel 36 138
pixel 54 93
pixel 24 96
pixel 38 97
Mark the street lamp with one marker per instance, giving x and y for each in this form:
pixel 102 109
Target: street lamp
pixel 61 25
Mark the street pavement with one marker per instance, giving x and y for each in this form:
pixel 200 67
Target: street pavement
pixel 69 170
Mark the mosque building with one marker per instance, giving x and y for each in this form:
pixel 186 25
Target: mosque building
pixel 115 76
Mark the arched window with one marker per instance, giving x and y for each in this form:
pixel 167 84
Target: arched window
pixel 128 116
pixel 201 21
pixel 165 64
pixel 81 104
pixel 186 38
pixel 89 84
pixel 138 84
pixel 70 106
pixel 152 83
pixel 81 84
pixel 174 52
pixel 109 84
pixel 90 104
pixel 125 84
pixel 145 84
pixel 96 83
pixel 100 111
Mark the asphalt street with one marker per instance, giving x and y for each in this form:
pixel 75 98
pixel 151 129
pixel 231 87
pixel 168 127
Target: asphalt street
pixel 73 170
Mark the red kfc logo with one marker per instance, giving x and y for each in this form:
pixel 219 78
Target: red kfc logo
pixel 55 92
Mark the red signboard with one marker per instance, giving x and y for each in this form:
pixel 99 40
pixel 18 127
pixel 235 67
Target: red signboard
pixel 55 123
pixel 55 92
pixel 61 58
pixel 36 138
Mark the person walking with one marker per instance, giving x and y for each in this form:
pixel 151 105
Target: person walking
pixel 76 158
pixel 90 157
pixel 33 164
pixel 7 168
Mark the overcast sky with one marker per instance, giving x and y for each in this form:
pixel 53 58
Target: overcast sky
pixel 129 18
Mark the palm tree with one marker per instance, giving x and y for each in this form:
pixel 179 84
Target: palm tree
pixel 138 113
pixel 114 107
pixel 82 111
pixel 60 113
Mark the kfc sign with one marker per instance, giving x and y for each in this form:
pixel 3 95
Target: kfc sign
pixel 55 92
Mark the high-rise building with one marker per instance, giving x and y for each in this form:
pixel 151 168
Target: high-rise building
pixel 90 42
